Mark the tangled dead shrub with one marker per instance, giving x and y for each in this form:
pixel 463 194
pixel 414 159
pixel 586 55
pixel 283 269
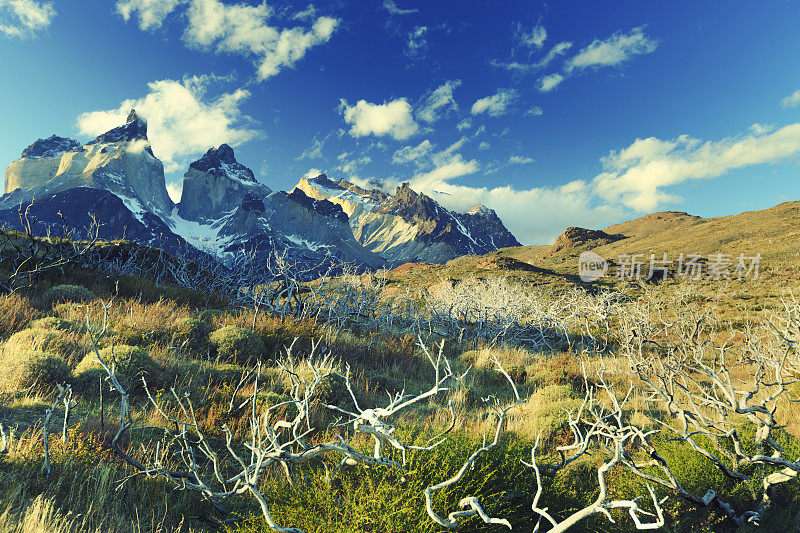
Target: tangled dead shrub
pixel 237 344
pixel 66 293
pixel 132 364
pixel 26 368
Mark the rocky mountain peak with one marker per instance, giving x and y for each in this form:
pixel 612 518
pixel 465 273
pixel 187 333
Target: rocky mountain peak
pixel 135 128
pixel 53 146
pixel 222 162
pixel 482 211
pixel 323 181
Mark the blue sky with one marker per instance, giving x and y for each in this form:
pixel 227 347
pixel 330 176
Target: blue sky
pixel 554 114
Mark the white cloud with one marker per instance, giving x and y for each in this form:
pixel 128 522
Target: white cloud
pixel 238 28
pixel 391 7
pixel 408 154
pixel 793 100
pixel 612 51
pixel 533 38
pixel 558 49
pixel 151 13
pixel 314 151
pixel 496 104
pixel 464 124
pixel 417 43
pixel 439 102
pixel 484 145
pixel 636 175
pixel 392 118
pixel 175 190
pixel 550 82
pixel 181 120
pixel 520 160
pixel 24 18
pixel 307 14
pixel 349 165
pixel 535 111
pixel 312 173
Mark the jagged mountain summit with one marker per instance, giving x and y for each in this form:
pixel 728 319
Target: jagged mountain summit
pixel 223 209
pixel 410 227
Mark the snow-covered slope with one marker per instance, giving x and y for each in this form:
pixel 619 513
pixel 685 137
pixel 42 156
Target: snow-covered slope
pixel 408 226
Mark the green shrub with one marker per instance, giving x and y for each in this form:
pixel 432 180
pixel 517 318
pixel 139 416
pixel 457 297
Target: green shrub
pixel 23 368
pixel 132 364
pixel 65 345
pixel 66 293
pixel 191 334
pixel 237 344
pixel 59 324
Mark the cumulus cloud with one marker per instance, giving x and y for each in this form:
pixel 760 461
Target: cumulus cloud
pixel 535 111
pixel 520 160
pixel 793 100
pixel 550 82
pixel 496 104
pixel 393 9
pixel 242 28
pixel 151 13
pixel 535 37
pixel 392 118
pixel 617 49
pixel 24 18
pixel 237 28
pixel 439 102
pixel 182 121
pixel 636 176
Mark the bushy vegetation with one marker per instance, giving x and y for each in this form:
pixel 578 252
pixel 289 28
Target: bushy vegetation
pixel 66 293
pixel 22 369
pixel 132 362
pixel 235 344
pixel 65 344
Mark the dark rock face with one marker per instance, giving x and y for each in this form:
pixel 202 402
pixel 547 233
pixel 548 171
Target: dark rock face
pixel 135 128
pixel 575 237
pixel 117 220
pixel 222 161
pixel 251 202
pixel 323 207
pixel 468 233
pixel 53 146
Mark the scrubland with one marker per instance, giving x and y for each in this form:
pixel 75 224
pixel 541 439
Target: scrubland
pixel 670 405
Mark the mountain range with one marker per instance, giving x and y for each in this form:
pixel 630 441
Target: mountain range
pixel 224 209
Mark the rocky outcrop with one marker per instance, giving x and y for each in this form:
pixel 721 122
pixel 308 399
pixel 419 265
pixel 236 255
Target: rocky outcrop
pixel 582 238
pixel 410 227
